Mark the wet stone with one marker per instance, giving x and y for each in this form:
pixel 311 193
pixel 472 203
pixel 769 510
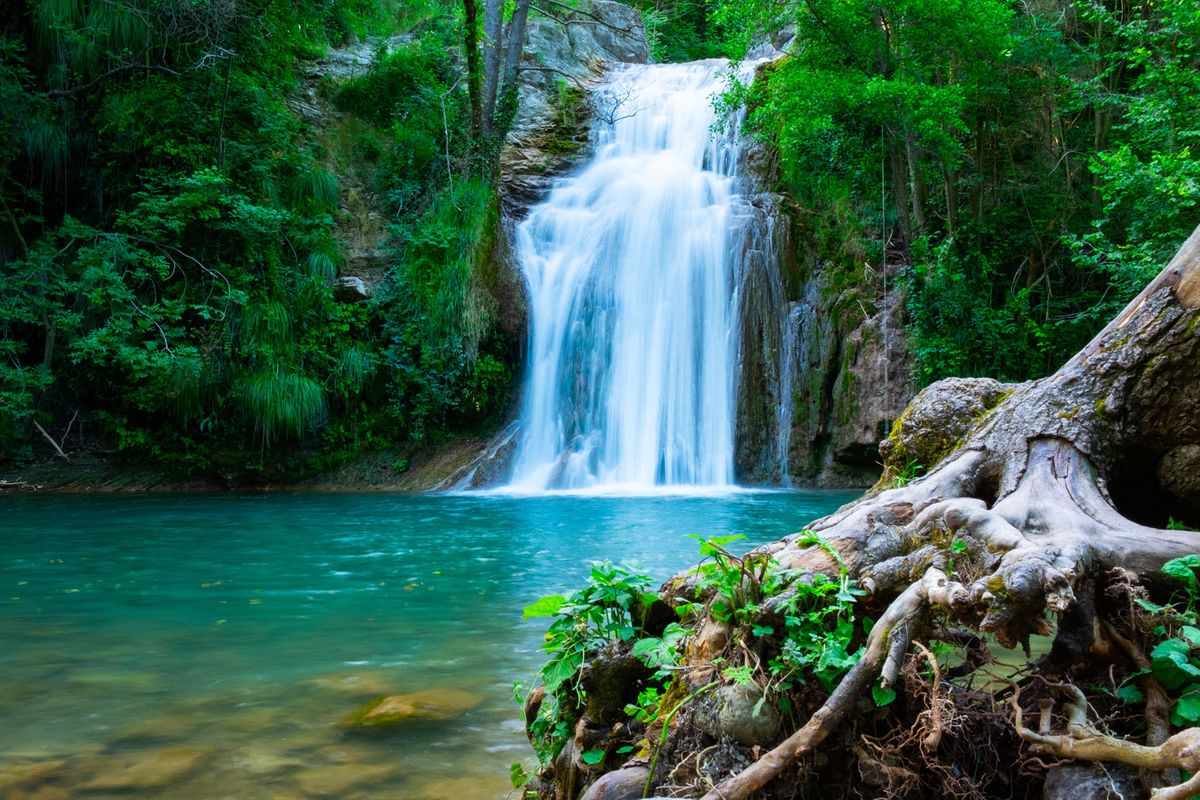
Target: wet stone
pixel 397 709
pixel 151 769
pixel 335 780
pixel 25 776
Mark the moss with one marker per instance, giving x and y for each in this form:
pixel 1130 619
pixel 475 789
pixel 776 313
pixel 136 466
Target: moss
pixel 1071 413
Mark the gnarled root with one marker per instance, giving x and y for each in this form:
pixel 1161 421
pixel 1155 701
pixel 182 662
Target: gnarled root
pixel 1083 742
pixel 885 648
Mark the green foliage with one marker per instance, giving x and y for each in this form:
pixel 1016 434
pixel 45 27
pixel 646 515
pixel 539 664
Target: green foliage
pixel 1175 657
pixel 818 635
pixel 1030 167
pixel 607 609
pixel 739 583
pixel 169 274
pixel 909 473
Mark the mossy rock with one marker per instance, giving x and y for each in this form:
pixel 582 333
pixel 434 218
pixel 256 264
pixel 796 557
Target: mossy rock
pixel 399 709
pixel 935 422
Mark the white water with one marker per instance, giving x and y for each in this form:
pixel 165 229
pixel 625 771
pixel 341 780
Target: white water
pixel 632 271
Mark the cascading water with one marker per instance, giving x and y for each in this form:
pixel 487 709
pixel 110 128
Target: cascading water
pixel 632 268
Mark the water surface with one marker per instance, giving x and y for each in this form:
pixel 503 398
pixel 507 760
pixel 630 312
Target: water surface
pixel 224 636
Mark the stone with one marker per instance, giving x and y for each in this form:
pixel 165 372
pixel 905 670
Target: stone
pixel 1179 472
pixel 260 761
pixel 397 709
pixel 709 642
pixel 335 780
pixel 741 717
pixel 166 728
pixel 1093 782
pixel 938 418
pixel 150 769
pixel 351 289
pixel 458 789
pixel 39 793
pixel 30 775
pixel 621 784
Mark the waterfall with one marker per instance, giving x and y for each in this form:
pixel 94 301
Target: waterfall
pixel 632 266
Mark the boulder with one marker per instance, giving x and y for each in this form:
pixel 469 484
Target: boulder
pixel 351 289
pixel 398 709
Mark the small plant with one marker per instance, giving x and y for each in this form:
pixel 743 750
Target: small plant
pixel 740 583
pixel 907 474
pixel 585 621
pixel 1175 658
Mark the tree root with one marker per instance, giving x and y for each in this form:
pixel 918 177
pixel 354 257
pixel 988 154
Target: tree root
pixel 1083 742
pixel 890 632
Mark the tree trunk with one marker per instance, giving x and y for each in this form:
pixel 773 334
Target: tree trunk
pixel 1037 495
pixel 515 45
pixel 492 46
pixel 474 71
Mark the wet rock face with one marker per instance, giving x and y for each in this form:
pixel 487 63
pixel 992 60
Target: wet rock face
pixel 562 57
pixel 825 364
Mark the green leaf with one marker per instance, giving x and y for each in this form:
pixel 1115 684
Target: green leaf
pixel 592 756
pixel 1186 711
pixel 547 606
pixel 626 749
pixel 1166 649
pixel 1182 568
pixel 1192 634
pixel 881 695
pixel 1130 694
pixel 739 675
pixel 518 775
pixel 560 670
pixel 1153 608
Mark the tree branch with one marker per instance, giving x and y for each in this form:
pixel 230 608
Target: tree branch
pixel 103 76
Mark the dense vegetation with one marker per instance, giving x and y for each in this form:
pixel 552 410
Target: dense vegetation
pixel 172 221
pixel 169 234
pixel 1024 167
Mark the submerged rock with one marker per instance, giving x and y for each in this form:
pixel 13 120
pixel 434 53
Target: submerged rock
pixel 457 789
pixel 397 709
pixel 150 769
pixel 334 780
pixel 372 683
pixel 29 776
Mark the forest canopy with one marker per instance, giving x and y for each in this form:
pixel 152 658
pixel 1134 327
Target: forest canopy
pixel 177 182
